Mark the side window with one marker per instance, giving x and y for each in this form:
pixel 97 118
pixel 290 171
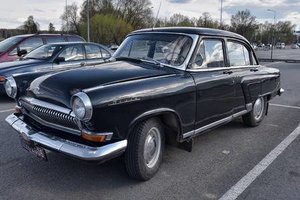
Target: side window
pixel 210 54
pixel 238 54
pixel 54 39
pixel 92 51
pixel 105 54
pixel 72 53
pixel 31 44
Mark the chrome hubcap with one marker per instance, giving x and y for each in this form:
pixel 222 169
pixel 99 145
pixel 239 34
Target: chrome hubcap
pixel 258 108
pixel 152 147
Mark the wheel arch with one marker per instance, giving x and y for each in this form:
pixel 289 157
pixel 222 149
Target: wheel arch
pixel 169 117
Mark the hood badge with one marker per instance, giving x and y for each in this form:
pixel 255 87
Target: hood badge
pixel 124 100
pixel 36 90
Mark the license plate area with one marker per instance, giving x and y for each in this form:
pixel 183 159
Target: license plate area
pixel 33 148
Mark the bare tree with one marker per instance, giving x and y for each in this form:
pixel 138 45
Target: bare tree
pixel 70 19
pixel 51 28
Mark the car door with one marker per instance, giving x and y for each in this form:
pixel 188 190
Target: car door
pixel 242 62
pixel 93 54
pixel 214 84
pixel 72 56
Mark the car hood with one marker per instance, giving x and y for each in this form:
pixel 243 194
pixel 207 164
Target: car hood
pixel 10 67
pixel 59 87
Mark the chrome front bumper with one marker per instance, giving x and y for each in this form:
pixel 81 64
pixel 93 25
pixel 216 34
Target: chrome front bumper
pixel 67 147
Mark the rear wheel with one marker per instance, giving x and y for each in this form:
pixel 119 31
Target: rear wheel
pixel 145 148
pixel 255 117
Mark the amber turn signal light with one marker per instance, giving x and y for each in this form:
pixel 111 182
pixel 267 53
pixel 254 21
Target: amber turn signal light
pixel 2 79
pixel 93 137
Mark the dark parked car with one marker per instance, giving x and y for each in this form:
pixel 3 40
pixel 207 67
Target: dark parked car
pixel 14 47
pixel 167 84
pixel 52 57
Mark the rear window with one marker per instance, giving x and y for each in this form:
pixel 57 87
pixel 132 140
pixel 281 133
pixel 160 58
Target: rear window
pixel 74 39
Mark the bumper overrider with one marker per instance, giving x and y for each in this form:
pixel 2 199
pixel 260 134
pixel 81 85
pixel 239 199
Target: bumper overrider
pixel 67 147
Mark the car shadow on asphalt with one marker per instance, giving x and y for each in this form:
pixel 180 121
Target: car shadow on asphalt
pixel 5 99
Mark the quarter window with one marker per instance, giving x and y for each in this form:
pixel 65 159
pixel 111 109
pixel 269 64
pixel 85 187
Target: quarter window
pixel 31 44
pixel 210 54
pixel 238 54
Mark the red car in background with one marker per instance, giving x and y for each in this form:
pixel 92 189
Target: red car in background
pixel 14 47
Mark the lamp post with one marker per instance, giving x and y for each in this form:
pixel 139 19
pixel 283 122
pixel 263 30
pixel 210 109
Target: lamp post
pixel 67 17
pixel 156 18
pixel 272 48
pixel 221 14
pixel 88 20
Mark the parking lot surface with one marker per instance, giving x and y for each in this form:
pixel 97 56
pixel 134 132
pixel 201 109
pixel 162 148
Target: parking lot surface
pixel 219 160
pixel 288 53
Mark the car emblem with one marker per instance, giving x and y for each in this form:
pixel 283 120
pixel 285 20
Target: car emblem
pixel 36 90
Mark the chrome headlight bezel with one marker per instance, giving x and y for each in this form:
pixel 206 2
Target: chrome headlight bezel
pixel 10 86
pixel 82 101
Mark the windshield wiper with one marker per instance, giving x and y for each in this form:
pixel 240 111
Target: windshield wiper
pixel 153 61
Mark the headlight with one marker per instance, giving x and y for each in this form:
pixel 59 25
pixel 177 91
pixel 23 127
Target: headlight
pixel 82 106
pixel 11 87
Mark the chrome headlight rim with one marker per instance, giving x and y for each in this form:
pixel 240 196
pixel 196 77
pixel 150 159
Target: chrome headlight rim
pixel 12 85
pixel 84 98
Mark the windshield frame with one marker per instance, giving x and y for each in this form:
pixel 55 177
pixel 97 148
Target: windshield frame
pixel 184 65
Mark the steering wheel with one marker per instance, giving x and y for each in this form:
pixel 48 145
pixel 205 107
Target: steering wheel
pixel 174 58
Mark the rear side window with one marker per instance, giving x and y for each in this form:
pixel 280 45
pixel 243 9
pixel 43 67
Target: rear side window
pixel 238 54
pixel 31 44
pixel 210 54
pixel 54 39
pixel 92 52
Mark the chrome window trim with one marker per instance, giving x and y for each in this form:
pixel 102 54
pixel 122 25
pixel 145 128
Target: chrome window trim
pixel 185 64
pixel 222 68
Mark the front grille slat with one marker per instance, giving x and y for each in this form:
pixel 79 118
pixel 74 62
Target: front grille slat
pixel 51 116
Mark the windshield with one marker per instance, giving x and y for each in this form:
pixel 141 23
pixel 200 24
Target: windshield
pixel 9 42
pixel 44 52
pixel 170 49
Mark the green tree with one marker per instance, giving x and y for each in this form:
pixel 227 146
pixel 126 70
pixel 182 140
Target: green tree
pixel 107 29
pixel 51 28
pixel 206 21
pixel 244 24
pixel 179 20
pixel 30 26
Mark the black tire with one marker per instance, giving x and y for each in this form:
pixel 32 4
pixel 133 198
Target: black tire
pixel 252 119
pixel 135 160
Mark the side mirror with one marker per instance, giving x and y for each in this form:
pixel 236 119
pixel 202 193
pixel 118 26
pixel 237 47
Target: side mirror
pixel 59 60
pixel 22 52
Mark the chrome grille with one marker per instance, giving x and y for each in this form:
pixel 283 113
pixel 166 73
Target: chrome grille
pixel 48 116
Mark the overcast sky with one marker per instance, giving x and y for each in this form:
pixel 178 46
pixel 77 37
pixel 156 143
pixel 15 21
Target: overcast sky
pixel 14 12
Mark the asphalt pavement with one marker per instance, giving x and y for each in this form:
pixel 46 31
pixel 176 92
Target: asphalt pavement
pixel 219 160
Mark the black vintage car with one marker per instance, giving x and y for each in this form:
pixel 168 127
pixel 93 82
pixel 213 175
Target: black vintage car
pixel 164 85
pixel 56 57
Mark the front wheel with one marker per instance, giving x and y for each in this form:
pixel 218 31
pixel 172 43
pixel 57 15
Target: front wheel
pixel 257 114
pixel 145 148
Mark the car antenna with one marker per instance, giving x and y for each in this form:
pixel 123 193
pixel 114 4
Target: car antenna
pixel 155 20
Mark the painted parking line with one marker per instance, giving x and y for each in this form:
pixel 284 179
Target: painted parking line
pixel 244 183
pixel 8 110
pixel 284 106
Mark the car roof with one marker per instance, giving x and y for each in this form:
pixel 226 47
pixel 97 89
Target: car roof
pixel 44 34
pixel 194 30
